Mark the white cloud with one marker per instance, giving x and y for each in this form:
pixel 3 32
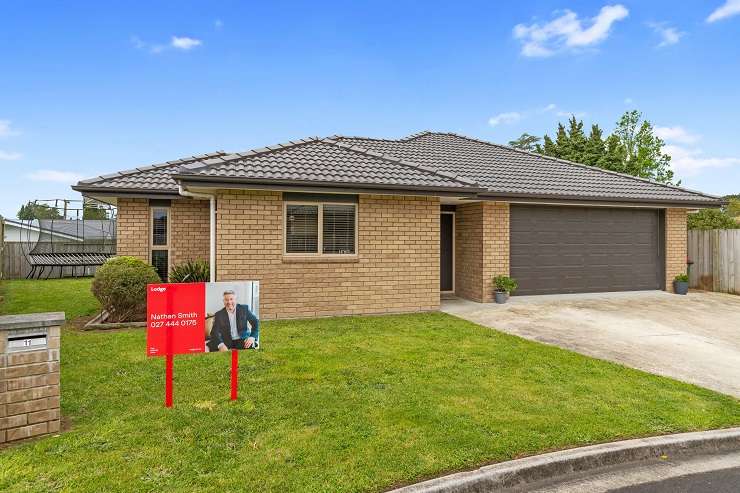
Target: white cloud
pixel 549 107
pixel 728 9
pixel 668 35
pixel 185 43
pixel 218 24
pixel 691 161
pixel 628 101
pixel 505 118
pixel 568 114
pixel 686 159
pixel 566 32
pixel 6 130
pixel 10 156
pixel 677 134
pixel 55 176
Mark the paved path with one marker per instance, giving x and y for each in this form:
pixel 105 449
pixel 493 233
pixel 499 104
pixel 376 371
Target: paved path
pixel 694 338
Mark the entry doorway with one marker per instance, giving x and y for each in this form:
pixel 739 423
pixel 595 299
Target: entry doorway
pixel 447 252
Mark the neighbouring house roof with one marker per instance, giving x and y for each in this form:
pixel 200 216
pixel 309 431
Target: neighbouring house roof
pixel 429 161
pixel 71 229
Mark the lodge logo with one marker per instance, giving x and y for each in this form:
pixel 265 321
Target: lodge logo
pixel 158 289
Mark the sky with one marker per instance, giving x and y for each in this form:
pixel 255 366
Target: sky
pixel 88 88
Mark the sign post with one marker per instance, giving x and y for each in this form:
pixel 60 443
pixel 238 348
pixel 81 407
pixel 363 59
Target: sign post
pixel 234 373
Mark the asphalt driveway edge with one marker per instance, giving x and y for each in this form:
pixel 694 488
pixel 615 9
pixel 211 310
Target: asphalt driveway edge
pixel 520 472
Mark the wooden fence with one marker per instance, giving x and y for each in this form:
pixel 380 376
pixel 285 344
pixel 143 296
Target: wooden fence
pixel 716 260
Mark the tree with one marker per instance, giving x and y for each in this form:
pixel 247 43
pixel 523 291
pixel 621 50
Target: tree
pixel 31 210
pixel 733 208
pixel 711 219
pixel 526 142
pixel 89 211
pixel 633 148
pixel 643 150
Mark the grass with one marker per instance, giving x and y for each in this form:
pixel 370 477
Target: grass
pixel 341 404
pixel 72 296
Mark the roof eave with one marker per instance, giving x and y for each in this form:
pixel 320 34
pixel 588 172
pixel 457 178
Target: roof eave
pixel 232 182
pixel 690 204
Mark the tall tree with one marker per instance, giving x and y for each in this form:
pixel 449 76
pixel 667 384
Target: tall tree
pixel 632 148
pixel 31 210
pixel 643 150
pixel 526 142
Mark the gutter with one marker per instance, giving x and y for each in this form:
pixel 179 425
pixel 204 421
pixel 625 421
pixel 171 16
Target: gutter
pixel 212 227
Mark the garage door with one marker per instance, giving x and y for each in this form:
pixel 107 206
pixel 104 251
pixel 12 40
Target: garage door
pixel 585 249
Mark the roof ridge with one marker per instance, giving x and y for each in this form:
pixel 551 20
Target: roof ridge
pixel 404 162
pixel 141 169
pixel 588 166
pixel 235 156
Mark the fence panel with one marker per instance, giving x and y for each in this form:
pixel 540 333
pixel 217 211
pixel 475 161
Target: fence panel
pixel 15 266
pixel 716 260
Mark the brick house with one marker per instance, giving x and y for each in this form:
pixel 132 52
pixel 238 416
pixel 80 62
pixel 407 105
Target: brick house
pixel 349 225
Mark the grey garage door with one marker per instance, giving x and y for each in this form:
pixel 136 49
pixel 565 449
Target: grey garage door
pixel 585 249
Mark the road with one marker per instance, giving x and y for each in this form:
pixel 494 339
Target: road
pixel 718 473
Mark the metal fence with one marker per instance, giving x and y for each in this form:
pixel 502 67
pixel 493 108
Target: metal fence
pixel 14 265
pixel 716 260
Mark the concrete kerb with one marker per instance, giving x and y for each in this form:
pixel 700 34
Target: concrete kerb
pixel 516 473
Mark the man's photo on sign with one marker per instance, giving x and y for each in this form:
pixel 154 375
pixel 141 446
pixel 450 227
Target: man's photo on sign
pixel 232 316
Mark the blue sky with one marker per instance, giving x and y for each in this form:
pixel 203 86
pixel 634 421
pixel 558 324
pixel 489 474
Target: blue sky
pixel 88 88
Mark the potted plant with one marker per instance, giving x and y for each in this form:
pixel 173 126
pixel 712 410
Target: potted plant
pixel 681 284
pixel 503 286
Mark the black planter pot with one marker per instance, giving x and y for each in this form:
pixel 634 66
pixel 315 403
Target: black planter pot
pixel 501 297
pixel 680 287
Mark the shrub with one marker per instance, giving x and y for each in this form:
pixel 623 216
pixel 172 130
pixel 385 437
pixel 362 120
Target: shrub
pixel 682 278
pixel 120 286
pixel 505 284
pixel 190 271
pixel 711 219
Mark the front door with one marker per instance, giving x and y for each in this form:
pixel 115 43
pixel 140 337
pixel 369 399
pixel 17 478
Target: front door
pixel 446 252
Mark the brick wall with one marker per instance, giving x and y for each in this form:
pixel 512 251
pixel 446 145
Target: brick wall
pixel 675 245
pixel 396 269
pixel 29 387
pixel 189 231
pixel 132 228
pixel 481 248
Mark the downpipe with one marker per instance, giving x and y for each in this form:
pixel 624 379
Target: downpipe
pixel 212 227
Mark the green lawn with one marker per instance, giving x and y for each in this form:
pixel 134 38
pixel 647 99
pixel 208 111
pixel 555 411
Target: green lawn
pixel 341 404
pixel 71 296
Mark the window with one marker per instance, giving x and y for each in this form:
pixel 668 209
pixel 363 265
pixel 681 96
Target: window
pixel 160 240
pixel 336 235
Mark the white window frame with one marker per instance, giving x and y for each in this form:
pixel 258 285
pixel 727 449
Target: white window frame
pixel 320 248
pixel 152 246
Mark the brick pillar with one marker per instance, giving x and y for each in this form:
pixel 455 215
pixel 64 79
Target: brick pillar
pixel 676 249
pixel 29 375
pixel 481 248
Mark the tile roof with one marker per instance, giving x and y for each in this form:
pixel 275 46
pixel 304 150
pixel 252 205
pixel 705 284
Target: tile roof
pixel 510 172
pixel 323 161
pixel 156 177
pixel 427 160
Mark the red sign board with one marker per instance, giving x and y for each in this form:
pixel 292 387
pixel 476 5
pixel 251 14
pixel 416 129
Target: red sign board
pixel 175 319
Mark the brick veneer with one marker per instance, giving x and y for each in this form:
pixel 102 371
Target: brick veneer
pixel 675 245
pixel 189 232
pixel 396 268
pixel 29 381
pixel 481 248
pixel 132 228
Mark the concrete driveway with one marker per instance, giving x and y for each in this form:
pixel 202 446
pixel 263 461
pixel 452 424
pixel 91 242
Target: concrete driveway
pixel 694 338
